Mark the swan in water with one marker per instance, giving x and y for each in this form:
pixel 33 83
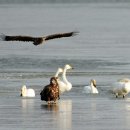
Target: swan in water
pixel 64 84
pixel 121 87
pixel 92 88
pixel 27 92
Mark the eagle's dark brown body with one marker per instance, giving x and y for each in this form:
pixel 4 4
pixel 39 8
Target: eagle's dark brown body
pixel 51 91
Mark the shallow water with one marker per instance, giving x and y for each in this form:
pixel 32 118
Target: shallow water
pixel 100 51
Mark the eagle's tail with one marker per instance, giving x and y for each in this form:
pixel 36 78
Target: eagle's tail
pixel 2 37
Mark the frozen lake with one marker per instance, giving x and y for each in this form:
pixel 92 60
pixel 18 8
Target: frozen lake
pixel 100 51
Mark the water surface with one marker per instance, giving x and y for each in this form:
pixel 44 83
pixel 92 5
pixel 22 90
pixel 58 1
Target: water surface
pixel 100 51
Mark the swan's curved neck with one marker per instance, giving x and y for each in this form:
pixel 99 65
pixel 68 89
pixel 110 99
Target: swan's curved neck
pixel 91 84
pixel 57 73
pixel 93 87
pixel 64 76
pixel 24 91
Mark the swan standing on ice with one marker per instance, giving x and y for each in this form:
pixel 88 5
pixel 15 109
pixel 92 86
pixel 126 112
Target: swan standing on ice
pixel 64 84
pixel 27 92
pixel 121 87
pixel 92 88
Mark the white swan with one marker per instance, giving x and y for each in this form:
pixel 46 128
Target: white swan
pixel 121 87
pixel 64 84
pixel 92 88
pixel 27 92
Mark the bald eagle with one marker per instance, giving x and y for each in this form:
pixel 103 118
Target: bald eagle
pixel 36 40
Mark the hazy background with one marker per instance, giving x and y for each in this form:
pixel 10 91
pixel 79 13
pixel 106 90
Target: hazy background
pixel 60 1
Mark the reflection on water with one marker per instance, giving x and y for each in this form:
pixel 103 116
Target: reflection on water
pixel 50 107
pixel 61 113
pixel 127 112
pixel 127 106
pixel 27 105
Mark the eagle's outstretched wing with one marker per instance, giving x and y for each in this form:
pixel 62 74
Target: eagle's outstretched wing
pixel 36 40
pixel 60 35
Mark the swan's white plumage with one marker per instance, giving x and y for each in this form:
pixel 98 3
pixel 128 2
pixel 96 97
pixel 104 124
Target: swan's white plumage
pixel 60 70
pixel 27 92
pixel 91 88
pixel 125 80
pixel 121 87
pixel 64 84
pixel 59 79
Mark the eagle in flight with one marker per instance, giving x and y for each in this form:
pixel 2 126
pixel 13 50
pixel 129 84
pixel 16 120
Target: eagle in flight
pixel 36 40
